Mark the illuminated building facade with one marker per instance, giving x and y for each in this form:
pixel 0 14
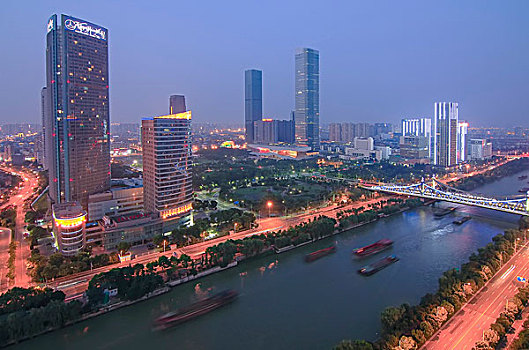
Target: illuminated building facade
pixel 167 165
pixel 46 119
pixel 69 224
pixel 446 122
pixel 462 142
pixel 307 98
pixel 77 128
pixel 253 101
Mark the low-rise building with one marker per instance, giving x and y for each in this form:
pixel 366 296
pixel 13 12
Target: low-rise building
pixel 69 220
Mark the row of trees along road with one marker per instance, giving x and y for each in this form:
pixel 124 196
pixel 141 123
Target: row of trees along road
pixel 408 327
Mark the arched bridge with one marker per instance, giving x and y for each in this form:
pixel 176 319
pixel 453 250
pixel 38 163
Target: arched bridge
pixel 440 191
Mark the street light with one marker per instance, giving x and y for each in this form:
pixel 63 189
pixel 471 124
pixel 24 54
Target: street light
pixel 234 227
pixel 269 205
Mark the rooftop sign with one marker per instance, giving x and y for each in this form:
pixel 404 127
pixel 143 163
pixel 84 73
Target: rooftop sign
pixel 81 27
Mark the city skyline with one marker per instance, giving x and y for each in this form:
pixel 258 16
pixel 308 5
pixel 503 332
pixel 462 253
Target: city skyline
pixel 371 88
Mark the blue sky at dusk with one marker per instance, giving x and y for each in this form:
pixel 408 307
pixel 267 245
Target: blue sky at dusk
pixel 379 60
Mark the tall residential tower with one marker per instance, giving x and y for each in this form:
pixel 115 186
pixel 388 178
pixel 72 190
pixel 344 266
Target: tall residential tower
pixel 307 98
pixel 78 132
pixel 253 101
pixel 446 122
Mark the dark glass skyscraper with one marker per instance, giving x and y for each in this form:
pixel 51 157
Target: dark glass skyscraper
pixel 307 114
pixel 253 101
pixel 77 88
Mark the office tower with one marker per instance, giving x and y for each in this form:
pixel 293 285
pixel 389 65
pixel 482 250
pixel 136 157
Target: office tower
pixel 77 90
pixel 167 165
pixel 462 147
pixel 177 104
pixel 446 120
pixel 46 119
pixel 253 101
pixel 307 97
pixel 69 224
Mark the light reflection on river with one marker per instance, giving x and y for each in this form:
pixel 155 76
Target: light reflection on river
pixel 288 304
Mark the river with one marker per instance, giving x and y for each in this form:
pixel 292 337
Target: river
pixel 285 303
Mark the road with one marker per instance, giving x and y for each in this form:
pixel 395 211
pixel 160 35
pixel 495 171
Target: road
pixel 26 190
pixel 467 326
pixel 77 284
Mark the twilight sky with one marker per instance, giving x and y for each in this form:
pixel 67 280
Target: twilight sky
pixel 379 60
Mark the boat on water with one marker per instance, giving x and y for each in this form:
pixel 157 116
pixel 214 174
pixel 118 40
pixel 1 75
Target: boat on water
pixel 462 220
pixel 523 177
pixel 195 310
pixel 319 253
pixel 378 265
pixel 443 212
pixel 373 248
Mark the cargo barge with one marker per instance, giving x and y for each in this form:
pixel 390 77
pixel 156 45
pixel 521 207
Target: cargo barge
pixel 444 212
pixel 319 253
pixel 195 310
pixel 462 220
pixel 374 248
pixel 378 265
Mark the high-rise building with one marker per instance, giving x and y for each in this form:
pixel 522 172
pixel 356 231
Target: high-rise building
pixel 335 132
pixel 480 149
pixel 270 131
pixel 78 155
pixel 446 120
pixel 342 132
pixel 363 130
pixel 421 127
pixel 46 127
pixel 265 131
pixel 462 142
pixel 253 101
pixel 417 127
pixel 177 104
pixel 307 96
pixel 167 165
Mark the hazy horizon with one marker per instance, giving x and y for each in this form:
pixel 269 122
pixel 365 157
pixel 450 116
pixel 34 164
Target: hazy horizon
pixel 379 62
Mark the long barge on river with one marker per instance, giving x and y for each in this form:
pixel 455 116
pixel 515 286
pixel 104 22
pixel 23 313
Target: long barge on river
pixel 195 310
pixel 373 248
pixel 378 265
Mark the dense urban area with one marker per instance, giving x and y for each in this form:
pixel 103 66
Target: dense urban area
pixel 165 221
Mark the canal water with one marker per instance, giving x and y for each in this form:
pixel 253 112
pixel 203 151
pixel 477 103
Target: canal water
pixel 285 303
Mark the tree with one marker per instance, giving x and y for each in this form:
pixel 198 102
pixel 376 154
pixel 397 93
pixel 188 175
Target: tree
pixel 184 260
pixel 123 247
pixel 164 262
